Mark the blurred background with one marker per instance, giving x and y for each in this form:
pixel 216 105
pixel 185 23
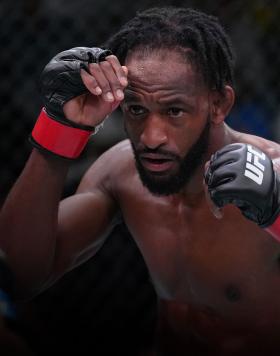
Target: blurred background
pixel 109 301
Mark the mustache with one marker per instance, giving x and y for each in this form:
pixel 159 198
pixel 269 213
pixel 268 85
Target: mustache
pixel 158 151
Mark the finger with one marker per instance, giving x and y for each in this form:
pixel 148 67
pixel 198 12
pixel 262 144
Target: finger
pixel 98 73
pixel 125 69
pixel 225 159
pixel 116 86
pixel 232 148
pixel 121 71
pixel 90 83
pixel 215 210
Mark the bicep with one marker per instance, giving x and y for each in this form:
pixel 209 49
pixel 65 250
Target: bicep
pixel 84 220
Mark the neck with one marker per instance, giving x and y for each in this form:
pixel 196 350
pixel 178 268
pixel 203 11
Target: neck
pixel 220 135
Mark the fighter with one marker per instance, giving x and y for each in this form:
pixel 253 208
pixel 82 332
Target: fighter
pixel 217 276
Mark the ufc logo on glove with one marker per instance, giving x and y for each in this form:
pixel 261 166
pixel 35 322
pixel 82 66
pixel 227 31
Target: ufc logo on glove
pixel 243 175
pixel 254 168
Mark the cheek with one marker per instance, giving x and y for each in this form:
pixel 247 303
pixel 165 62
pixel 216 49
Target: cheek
pixel 133 131
pixel 130 133
pixel 189 135
pixel 184 141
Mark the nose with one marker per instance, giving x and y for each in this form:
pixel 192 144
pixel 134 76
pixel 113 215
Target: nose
pixel 154 133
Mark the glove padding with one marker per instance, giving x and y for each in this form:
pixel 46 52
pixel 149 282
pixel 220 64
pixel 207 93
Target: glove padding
pixel 243 175
pixel 61 80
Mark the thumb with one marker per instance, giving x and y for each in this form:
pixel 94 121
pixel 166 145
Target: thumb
pixel 215 210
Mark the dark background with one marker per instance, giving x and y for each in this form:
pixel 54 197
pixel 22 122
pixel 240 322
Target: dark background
pixel 108 303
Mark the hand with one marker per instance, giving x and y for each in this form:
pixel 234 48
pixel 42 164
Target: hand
pixel 243 175
pixel 82 86
pixel 215 210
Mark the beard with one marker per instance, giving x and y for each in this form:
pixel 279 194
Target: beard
pixel 172 183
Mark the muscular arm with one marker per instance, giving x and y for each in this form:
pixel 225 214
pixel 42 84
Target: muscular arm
pixel 28 220
pixel 272 149
pixel 43 238
pixel 86 218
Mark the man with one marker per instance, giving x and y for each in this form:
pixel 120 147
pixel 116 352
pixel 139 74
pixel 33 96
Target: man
pixel 217 276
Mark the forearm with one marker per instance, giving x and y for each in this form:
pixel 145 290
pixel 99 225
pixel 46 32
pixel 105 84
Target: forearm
pixel 28 220
pixel 36 248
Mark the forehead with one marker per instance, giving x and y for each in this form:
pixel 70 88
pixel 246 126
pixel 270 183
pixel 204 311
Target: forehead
pixel 163 68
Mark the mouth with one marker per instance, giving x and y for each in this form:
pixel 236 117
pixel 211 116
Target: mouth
pixel 157 163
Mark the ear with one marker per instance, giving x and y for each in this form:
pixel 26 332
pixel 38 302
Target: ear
pixel 222 103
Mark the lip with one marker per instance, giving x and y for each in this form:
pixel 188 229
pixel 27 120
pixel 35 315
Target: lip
pixel 156 163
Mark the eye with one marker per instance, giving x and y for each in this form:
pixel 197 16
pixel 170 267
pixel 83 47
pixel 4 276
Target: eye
pixel 136 110
pixel 175 112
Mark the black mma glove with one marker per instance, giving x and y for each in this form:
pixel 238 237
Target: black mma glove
pixel 60 82
pixel 243 175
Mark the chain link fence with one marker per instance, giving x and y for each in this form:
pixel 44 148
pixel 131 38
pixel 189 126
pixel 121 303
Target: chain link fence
pixel 109 303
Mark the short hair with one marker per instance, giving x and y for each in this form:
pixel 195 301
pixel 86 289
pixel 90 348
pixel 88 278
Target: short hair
pixel 176 28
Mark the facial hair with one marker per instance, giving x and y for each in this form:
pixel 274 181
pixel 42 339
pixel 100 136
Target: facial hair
pixel 168 184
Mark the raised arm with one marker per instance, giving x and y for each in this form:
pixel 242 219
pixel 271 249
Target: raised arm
pixel 42 237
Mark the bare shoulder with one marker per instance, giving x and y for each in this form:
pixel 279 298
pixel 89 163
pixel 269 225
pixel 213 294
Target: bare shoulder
pixel 111 167
pixel 271 148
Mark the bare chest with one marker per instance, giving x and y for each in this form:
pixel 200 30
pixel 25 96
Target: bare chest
pixel 229 266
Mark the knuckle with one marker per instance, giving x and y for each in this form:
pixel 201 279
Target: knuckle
pixel 112 58
pixel 94 68
pixel 105 65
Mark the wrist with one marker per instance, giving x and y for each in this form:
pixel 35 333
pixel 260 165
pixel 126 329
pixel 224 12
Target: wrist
pixel 55 137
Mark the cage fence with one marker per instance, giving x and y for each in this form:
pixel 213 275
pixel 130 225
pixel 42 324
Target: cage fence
pixel 109 302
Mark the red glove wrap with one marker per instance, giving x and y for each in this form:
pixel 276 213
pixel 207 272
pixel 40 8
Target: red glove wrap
pixel 63 140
